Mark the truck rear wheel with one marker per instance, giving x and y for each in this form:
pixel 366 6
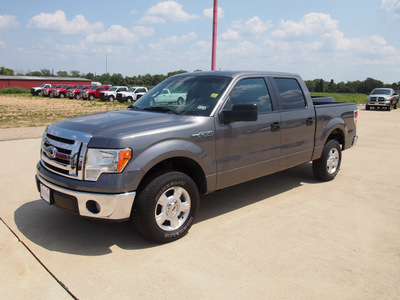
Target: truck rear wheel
pixel 165 209
pixel 327 166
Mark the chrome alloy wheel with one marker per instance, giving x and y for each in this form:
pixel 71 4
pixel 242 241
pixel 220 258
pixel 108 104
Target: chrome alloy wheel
pixel 333 161
pixel 172 208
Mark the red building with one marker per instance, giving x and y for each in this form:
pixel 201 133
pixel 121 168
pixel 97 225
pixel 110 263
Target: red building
pixel 27 82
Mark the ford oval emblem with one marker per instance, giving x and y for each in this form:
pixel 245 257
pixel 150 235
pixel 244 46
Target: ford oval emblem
pixel 51 152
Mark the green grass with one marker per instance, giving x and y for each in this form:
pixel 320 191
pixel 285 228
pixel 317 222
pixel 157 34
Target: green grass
pixel 358 98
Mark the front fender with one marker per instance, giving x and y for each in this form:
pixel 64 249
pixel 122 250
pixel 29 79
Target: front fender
pixel 173 148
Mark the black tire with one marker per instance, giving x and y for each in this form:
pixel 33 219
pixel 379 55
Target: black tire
pixel 167 221
pixel 129 99
pixel 62 95
pixel 389 108
pixel 91 97
pixel 327 166
pixel 180 101
pixel 111 98
pixel 77 96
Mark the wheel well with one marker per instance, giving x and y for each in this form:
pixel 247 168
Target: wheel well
pixel 180 164
pixel 338 135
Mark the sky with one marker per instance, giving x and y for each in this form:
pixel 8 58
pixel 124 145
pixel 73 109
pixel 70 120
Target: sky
pixel 343 40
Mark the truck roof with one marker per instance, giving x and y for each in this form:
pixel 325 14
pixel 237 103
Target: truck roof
pixel 234 74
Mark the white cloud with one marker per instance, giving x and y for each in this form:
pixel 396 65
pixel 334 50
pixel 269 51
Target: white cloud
pixel 58 22
pixel 166 11
pixel 209 13
pixel 310 24
pixel 391 6
pixel 143 31
pixel 230 35
pixel 116 34
pixel 7 21
pixel 254 26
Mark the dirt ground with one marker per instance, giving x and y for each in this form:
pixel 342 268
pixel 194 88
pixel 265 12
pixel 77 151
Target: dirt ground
pixel 28 111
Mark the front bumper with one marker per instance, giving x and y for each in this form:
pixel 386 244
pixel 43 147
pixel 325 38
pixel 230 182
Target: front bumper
pixel 379 103
pixel 116 207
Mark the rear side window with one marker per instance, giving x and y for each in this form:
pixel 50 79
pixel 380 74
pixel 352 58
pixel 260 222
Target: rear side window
pixel 252 90
pixel 290 93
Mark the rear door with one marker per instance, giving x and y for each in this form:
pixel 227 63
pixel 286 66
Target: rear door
pixel 297 122
pixel 250 149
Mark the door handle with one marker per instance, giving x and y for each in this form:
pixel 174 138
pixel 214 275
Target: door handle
pixel 309 121
pixel 275 126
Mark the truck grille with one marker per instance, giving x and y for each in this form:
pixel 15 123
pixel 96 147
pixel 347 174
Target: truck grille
pixel 63 151
pixel 377 99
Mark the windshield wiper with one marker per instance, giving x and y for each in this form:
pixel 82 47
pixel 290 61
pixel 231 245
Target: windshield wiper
pixel 161 108
pixel 133 107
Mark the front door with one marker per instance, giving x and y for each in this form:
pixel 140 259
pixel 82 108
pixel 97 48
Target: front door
pixel 250 149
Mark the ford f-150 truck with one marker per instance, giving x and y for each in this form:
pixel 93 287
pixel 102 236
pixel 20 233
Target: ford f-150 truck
pixel 150 163
pixel 111 94
pixel 94 91
pixel 165 96
pixel 132 94
pixel 60 92
pixel 382 97
pixel 37 91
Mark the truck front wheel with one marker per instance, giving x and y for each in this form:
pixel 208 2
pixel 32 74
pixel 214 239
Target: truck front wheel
pixel 166 207
pixel 327 167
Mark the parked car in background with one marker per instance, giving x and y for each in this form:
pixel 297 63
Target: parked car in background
pixel 94 91
pixel 132 94
pixel 60 92
pixel 166 96
pixel 46 91
pixel 76 92
pixel 382 98
pixel 37 91
pixel 111 94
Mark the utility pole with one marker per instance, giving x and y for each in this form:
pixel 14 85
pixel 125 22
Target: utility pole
pixel 214 36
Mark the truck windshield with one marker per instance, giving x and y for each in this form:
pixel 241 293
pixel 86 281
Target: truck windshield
pixel 185 95
pixel 381 92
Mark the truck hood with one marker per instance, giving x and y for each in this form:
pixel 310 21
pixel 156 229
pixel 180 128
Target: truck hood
pixel 107 127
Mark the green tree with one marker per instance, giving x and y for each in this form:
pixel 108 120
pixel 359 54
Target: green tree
pixel 46 72
pixel 75 73
pixel 62 74
pixel 6 71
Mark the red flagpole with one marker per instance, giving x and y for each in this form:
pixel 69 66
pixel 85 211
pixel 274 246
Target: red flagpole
pixel 214 36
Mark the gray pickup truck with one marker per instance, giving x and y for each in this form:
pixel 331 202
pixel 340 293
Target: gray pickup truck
pixel 151 162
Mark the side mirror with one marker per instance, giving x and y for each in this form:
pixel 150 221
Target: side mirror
pixel 240 112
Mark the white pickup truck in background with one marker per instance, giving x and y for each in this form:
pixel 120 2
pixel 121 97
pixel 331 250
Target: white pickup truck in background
pixel 167 97
pixel 132 94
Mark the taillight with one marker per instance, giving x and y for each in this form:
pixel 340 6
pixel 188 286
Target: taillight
pixel 355 116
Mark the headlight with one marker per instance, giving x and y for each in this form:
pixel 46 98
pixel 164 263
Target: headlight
pixel 100 161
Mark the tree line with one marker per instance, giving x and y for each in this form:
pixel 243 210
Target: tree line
pixel 148 80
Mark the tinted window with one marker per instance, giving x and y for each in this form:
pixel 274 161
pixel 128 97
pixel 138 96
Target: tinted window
pixel 252 90
pixel 291 95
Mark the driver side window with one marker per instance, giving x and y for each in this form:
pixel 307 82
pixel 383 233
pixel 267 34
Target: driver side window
pixel 252 91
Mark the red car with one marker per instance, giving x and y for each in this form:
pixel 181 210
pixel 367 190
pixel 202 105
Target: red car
pixel 60 92
pixel 46 91
pixel 94 91
pixel 76 92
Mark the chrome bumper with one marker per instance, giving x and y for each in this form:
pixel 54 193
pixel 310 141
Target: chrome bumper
pixel 355 140
pixel 101 206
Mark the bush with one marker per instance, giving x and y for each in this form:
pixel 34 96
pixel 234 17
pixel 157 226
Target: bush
pixel 14 90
